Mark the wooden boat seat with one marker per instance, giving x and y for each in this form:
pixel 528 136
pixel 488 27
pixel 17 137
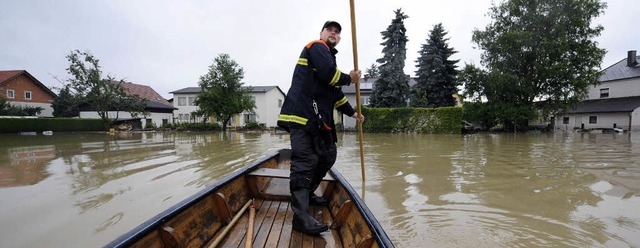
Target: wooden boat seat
pixel 280 173
pixel 273 184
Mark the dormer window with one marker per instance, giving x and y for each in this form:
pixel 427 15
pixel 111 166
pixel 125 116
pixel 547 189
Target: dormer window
pixel 604 93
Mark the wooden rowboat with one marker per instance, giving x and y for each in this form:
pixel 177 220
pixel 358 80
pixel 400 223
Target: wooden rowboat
pixel 218 217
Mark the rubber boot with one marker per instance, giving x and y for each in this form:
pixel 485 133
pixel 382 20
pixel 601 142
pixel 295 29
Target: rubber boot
pixel 315 200
pixel 302 221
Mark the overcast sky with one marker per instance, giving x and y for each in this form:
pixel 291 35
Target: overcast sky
pixel 168 45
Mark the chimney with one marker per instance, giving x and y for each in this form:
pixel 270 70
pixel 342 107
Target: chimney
pixel 632 59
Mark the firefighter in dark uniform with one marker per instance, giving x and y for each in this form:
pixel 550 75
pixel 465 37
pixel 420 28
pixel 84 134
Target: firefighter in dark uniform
pixel 307 114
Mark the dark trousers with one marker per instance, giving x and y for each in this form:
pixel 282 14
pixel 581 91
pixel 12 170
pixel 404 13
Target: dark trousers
pixel 311 158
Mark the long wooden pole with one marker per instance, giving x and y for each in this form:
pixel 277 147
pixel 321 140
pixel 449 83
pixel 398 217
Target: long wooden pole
pixel 224 232
pixel 252 216
pixel 354 44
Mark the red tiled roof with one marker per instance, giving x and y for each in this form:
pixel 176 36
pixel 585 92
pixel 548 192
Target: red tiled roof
pixel 5 75
pixel 144 91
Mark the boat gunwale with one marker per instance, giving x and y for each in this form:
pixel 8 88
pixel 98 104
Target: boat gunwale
pixel 379 234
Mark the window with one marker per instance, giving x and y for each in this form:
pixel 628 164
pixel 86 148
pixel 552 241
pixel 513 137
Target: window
pixel 593 120
pixel 279 103
pixel 27 95
pixel 364 101
pixel 604 93
pixel 192 99
pixel 249 118
pixel 11 94
pixel 565 120
pixel 182 101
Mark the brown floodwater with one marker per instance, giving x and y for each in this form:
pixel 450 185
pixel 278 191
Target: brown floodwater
pixel 476 190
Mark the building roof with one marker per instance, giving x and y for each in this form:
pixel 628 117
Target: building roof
pixel 255 89
pixel 620 70
pixel 607 105
pixel 146 92
pixel 6 75
pixel 188 90
pixel 11 74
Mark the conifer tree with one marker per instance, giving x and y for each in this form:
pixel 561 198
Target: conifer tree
pixel 436 74
pixel 372 72
pixel 392 87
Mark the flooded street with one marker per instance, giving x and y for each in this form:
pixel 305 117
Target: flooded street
pixel 477 190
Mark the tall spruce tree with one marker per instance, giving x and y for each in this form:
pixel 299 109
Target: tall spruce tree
pixel 436 74
pixel 392 87
pixel 537 51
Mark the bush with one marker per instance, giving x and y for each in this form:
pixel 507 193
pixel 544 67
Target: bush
pixel 15 125
pixel 253 125
pixel 413 120
pixel 197 126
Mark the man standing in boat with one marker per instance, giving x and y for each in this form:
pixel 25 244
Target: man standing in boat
pixel 307 114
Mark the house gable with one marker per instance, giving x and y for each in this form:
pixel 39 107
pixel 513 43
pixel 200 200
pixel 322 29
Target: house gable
pixel 21 81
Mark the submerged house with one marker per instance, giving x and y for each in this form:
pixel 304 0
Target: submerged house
pixel 614 103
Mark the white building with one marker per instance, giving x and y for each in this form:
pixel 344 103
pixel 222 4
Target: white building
pixel 268 100
pixel 614 103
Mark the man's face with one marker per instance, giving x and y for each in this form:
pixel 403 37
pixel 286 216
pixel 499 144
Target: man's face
pixel 330 35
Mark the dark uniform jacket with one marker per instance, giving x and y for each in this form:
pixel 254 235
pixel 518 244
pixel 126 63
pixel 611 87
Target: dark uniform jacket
pixel 315 78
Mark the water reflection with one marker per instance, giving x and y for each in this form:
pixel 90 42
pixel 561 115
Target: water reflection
pixel 25 165
pixel 486 190
pixel 510 190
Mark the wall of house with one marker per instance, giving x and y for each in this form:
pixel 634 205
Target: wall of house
pixel 635 120
pixel 270 107
pixel 157 118
pixel 183 112
pixel 47 110
pixel 348 122
pixel 39 97
pixel 604 120
pixel 618 88
pixel 267 109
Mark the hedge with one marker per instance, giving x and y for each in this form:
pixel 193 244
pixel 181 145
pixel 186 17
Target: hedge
pixel 16 125
pixel 413 120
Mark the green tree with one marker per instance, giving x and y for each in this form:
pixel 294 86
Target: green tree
pixel 222 94
pixel 436 74
pixel 66 104
pixel 538 51
pixel 4 105
pixel 392 87
pixel 100 94
pixel 372 72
